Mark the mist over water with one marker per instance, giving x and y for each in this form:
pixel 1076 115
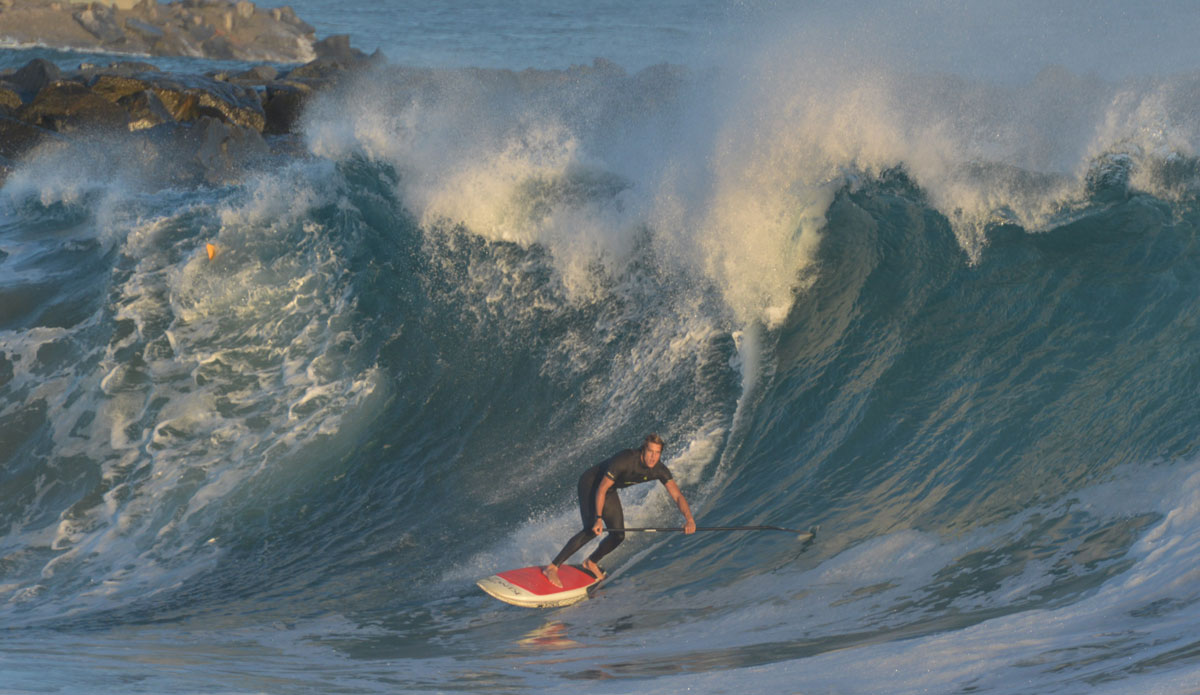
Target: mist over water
pixel 923 275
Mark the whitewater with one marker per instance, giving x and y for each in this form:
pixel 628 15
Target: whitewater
pixel 921 274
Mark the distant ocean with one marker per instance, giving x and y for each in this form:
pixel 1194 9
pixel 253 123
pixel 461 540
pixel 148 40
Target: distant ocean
pixel 921 274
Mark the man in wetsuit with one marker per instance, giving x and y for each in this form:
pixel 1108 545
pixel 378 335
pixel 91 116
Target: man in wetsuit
pixel 598 508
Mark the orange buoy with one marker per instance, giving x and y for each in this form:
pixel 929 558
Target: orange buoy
pixel 212 251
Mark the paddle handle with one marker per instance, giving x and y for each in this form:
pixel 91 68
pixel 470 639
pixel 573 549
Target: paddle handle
pixel 802 535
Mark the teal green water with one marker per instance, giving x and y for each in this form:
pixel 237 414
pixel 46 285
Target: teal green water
pixel 948 319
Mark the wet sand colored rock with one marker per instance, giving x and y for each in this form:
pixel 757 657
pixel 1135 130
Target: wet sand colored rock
pixel 207 127
pixel 219 29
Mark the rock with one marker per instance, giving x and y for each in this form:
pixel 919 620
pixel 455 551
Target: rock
pixel 36 74
pixel 286 15
pixel 147 31
pixel 257 75
pixel 147 9
pixel 283 105
pixel 201 28
pixel 185 95
pixel 205 151
pixel 319 69
pixel 288 147
pixel 200 32
pixel 268 44
pixel 175 43
pixel 224 147
pixel 325 72
pixel 18 137
pixel 145 110
pixel 195 128
pixel 115 87
pixel 337 47
pixel 219 47
pixel 70 106
pixel 101 23
pixel 10 101
pixel 131 67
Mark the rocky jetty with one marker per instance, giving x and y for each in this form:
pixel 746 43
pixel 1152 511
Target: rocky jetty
pixel 206 126
pixel 219 29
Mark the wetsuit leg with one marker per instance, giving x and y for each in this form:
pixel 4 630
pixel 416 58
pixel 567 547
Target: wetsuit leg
pixel 587 501
pixel 614 517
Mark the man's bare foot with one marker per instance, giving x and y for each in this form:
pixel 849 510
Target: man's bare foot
pixel 551 572
pixel 594 569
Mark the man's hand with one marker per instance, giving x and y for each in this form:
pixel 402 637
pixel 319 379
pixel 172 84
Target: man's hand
pixel 673 491
pixel 598 527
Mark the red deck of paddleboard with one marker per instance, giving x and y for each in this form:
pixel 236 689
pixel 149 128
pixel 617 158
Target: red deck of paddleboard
pixel 532 580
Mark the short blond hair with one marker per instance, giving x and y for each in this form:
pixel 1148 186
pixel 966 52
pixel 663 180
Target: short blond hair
pixel 652 439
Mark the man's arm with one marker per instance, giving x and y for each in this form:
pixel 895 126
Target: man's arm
pixel 601 493
pixel 673 490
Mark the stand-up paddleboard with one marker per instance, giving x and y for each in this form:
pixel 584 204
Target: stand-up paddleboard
pixel 529 587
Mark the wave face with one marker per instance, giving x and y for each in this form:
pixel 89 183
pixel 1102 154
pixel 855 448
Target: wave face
pixel 948 319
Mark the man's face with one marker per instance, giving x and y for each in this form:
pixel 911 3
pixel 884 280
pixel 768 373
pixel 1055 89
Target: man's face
pixel 651 453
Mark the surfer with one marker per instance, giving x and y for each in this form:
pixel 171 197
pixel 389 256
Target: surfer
pixel 598 508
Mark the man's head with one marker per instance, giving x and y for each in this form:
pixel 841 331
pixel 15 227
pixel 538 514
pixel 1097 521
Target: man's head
pixel 652 447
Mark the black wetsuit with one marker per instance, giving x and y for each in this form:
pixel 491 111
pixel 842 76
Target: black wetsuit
pixel 624 469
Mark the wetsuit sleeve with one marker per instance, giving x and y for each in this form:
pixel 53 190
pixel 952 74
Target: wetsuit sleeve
pixel 664 473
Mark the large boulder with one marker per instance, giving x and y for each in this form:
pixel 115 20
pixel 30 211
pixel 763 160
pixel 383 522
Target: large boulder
pixel 147 31
pixel 213 29
pixel 18 137
pixel 207 150
pixel 115 86
pixel 35 74
pixel 224 148
pixel 145 110
pixel 283 105
pixel 257 75
pixel 219 46
pixel 176 43
pixel 128 68
pixel 337 47
pixel 101 22
pixel 10 101
pixel 188 97
pixel 328 71
pixel 191 127
pixel 70 106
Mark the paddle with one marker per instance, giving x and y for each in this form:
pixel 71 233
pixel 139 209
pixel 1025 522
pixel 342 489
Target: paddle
pixel 800 535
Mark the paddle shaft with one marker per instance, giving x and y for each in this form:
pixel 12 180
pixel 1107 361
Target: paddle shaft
pixel 669 529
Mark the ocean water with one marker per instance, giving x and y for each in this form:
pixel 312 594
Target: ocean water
pixel 923 275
